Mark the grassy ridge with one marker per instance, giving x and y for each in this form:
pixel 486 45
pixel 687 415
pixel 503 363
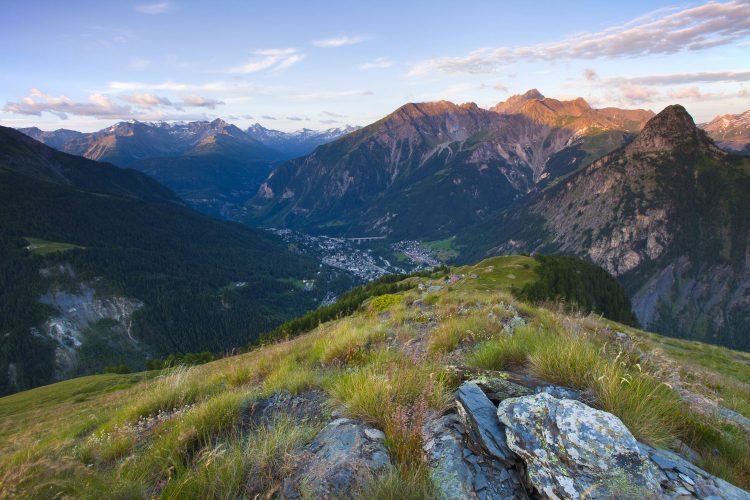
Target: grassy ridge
pixel 180 432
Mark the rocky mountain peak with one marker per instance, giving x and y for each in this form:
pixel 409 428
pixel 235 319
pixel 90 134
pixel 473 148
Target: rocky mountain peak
pixel 672 128
pixel 514 103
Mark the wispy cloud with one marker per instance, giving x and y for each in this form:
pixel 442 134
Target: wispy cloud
pixel 340 41
pixel 322 96
pixel 139 64
pixel 153 8
pixel 379 63
pixel 225 87
pixel 197 101
pixel 268 117
pixel 270 59
pixel 332 114
pixel 684 78
pixel 665 31
pixel 590 75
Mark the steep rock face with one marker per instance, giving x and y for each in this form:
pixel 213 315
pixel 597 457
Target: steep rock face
pixel 429 168
pixel 667 214
pixel 76 312
pixel 731 132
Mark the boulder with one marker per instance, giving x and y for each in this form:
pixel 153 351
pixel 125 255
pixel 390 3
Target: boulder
pixel 457 471
pixel 572 450
pixel 479 417
pixel 681 478
pixel 339 461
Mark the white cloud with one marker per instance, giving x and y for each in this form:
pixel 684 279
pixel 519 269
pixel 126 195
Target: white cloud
pixel 379 63
pixel 273 59
pixel 197 101
pixel 146 100
pixel 38 102
pixel 340 41
pixel 153 8
pixel 665 31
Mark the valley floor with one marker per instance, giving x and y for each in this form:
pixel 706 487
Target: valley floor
pixel 271 421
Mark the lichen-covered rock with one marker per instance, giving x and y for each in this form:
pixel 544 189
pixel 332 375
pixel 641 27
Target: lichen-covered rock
pixel 339 461
pixel 680 478
pixel 479 416
pixel 457 471
pixel 572 450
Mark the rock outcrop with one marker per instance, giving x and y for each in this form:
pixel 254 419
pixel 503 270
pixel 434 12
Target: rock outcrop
pixel 339 461
pixel 571 450
pixel 545 444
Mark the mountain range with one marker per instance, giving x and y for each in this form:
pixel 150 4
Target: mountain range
pixel 299 143
pixel 731 132
pixel 214 166
pixel 652 199
pixel 428 169
pixel 669 214
pixel 101 265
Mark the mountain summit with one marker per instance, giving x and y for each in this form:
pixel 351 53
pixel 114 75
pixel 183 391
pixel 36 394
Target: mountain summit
pixel 671 129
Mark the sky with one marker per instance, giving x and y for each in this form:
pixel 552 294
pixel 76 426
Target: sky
pixel 85 65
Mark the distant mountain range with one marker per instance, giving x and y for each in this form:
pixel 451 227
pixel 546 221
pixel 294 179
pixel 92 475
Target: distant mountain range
pixel 102 265
pixel 429 169
pixel 731 132
pixel 299 143
pixel 214 166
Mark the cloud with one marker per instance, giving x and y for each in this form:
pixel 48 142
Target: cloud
pixel 153 8
pixel 297 118
pixel 139 64
pixel 320 96
pixel 267 117
pixel 665 31
pixel 637 94
pixel 332 114
pixel 197 101
pixel 38 102
pixel 226 87
pixel 500 87
pixel 684 78
pixel 340 41
pixel 329 122
pixel 146 100
pixel 696 94
pixel 379 63
pixel 590 75
pixel 271 59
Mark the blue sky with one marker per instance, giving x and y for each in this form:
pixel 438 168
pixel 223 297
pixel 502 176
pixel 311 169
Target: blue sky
pixel 85 65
